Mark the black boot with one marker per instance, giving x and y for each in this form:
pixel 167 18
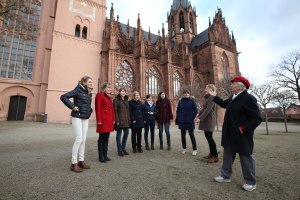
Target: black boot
pixel 147 147
pixel 105 150
pixel 152 147
pixel 101 150
pixel 169 142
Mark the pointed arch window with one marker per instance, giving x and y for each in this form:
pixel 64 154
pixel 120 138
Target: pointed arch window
pixel 84 32
pixel 181 21
pixel 176 84
pixel 125 76
pixel 77 30
pixel 195 62
pixel 153 85
pixel 191 23
pixel 197 86
pixel 225 66
pixel 173 26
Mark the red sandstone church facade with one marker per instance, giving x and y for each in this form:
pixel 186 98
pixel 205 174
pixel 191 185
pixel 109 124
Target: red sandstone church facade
pixel 77 39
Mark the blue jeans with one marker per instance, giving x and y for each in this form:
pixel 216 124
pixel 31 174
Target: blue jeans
pixel 122 146
pixel 167 130
pixel 150 124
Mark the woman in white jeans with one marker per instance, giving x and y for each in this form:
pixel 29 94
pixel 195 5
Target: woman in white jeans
pixel 81 112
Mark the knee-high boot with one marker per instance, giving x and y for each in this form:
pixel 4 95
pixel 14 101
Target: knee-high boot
pixel 101 149
pixel 106 148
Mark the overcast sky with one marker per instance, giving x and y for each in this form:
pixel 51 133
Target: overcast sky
pixel 264 30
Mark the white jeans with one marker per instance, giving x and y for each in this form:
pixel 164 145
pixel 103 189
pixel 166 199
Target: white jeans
pixel 80 127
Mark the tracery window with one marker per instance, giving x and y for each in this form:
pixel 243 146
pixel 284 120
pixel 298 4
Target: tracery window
pixel 17 53
pixel 125 76
pixel 153 83
pixel 176 84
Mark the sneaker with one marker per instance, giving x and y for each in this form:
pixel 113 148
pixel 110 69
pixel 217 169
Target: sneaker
pixel 183 151
pixel 220 179
pixel 194 153
pixel 249 188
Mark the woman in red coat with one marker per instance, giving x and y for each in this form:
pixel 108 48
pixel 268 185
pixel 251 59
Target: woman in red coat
pixel 105 117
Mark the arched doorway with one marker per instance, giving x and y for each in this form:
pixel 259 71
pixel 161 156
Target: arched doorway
pixel 17 107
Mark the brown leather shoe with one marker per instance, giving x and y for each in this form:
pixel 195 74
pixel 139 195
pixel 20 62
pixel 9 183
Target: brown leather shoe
pixel 83 165
pixel 75 168
pixel 213 160
pixel 208 156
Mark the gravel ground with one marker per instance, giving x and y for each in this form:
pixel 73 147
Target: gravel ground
pixel 35 161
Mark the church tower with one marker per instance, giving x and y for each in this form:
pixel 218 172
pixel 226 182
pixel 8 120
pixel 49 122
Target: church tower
pixel 182 21
pixel 73 51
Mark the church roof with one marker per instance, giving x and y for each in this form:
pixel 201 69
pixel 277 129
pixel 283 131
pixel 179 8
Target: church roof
pixel 131 31
pixel 177 3
pixel 199 39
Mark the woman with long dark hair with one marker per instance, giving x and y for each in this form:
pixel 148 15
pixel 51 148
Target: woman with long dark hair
pixel 164 116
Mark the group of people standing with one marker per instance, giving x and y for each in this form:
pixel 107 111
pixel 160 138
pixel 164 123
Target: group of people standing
pixel 241 118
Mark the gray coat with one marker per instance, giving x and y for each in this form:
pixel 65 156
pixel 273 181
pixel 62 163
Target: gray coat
pixel 207 115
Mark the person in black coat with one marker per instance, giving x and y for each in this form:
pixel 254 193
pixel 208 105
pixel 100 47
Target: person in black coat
pixel 241 118
pixel 185 119
pixel 81 112
pixel 137 122
pixel 150 113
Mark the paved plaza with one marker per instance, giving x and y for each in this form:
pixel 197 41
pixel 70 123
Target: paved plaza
pixel 35 160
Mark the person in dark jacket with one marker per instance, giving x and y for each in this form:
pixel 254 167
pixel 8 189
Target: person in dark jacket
pixel 137 122
pixel 105 117
pixel 185 119
pixel 81 112
pixel 121 108
pixel 242 116
pixel 207 123
pixel 164 116
pixel 150 113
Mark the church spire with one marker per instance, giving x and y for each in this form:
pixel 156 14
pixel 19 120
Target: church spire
pixel 112 12
pixel 128 30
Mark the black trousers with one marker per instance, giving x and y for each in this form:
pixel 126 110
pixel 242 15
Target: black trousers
pixel 192 136
pixel 103 145
pixel 211 143
pixel 136 138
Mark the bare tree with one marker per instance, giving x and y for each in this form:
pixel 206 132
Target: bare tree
pixel 14 18
pixel 264 94
pixel 283 99
pixel 223 87
pixel 287 73
pixel 224 91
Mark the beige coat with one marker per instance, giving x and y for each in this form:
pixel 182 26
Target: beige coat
pixel 207 115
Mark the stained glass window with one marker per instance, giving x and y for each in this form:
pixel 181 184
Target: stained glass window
pixel 153 83
pixel 176 84
pixel 17 54
pixel 125 76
